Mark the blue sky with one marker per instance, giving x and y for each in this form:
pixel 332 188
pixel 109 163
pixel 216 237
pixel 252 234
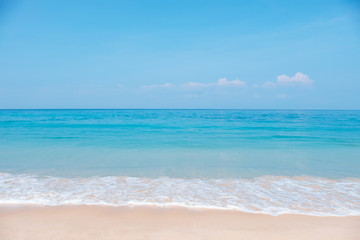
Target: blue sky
pixel 180 54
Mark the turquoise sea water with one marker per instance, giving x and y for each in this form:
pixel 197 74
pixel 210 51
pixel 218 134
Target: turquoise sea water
pixel 196 158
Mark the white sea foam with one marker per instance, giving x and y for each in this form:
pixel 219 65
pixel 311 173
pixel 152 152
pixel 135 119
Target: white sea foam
pixel 268 194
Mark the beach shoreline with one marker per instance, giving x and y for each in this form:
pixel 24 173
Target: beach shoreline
pixel 106 222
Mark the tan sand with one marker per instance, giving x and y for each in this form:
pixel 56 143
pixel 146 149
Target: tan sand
pixel 90 223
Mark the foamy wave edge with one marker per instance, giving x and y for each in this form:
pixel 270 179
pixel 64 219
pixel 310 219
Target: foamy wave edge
pixel 272 195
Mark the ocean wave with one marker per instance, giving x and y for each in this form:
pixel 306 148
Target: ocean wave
pixel 268 194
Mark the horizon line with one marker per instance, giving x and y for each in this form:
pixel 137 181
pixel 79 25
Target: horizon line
pixel 298 109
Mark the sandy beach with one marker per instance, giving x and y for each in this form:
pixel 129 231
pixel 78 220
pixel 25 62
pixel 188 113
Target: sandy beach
pixel 96 222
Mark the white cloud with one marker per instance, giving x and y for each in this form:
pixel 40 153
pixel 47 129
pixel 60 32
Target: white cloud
pixel 269 84
pixel 299 79
pixel 197 85
pixel 225 82
pixel 222 82
pixel 164 85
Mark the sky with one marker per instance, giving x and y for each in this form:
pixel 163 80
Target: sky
pixel 180 54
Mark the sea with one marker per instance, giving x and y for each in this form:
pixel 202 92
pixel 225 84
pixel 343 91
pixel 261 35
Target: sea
pixel 258 161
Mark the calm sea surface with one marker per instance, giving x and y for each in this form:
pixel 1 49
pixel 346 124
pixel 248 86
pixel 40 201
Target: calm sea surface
pixel 250 160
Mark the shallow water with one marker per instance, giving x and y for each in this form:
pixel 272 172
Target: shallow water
pixel 268 194
pixel 208 158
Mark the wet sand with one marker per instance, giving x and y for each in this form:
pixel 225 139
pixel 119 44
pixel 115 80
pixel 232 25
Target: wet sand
pixel 97 222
